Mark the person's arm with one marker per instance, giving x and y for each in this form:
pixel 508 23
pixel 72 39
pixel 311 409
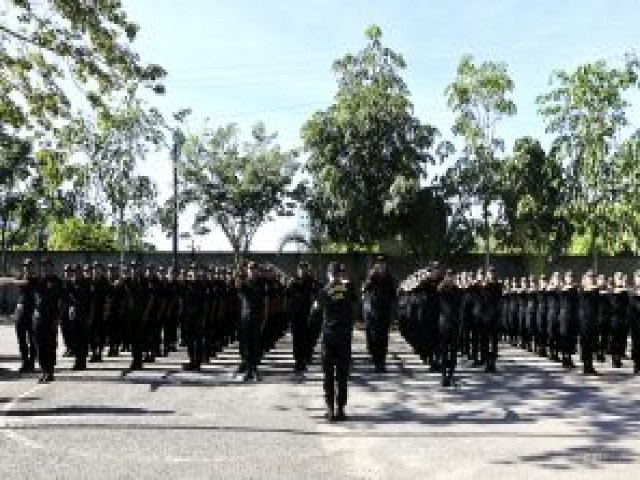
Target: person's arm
pixel 6 281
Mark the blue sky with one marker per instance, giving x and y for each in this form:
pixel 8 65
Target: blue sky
pixel 243 61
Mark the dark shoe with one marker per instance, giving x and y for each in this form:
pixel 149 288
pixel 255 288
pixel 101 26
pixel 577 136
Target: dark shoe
pixel 135 366
pixel 26 368
pixel 78 367
pixel 446 382
pixel 329 415
pixel 257 377
pixel 636 369
pixel 589 371
pixel 188 367
pixel 340 416
pixel 247 377
pixel 42 379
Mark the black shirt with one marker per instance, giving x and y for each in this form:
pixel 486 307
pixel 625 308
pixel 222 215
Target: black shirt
pixel 337 300
pixel 27 294
pixel 49 292
pixel 252 298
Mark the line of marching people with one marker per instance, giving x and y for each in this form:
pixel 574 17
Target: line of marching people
pixel 560 316
pixel 442 315
pixel 149 312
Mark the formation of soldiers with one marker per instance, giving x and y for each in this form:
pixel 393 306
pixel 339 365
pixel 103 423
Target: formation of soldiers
pixel 149 312
pixel 443 315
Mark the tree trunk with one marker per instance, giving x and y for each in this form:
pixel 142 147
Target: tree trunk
pixel 487 248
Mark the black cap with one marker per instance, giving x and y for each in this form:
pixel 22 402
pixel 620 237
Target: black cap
pixel 27 262
pixel 303 264
pixel 46 261
pixel 381 259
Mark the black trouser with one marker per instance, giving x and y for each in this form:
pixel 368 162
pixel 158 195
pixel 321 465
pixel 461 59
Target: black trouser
pixel 194 333
pixel 26 340
pixel 635 339
pixel 378 337
pixel 489 341
pixel 46 335
pixel 588 341
pixel 619 336
pixel 250 337
pixel 336 357
pixel 301 339
pixel 67 333
pixel 97 332
pixel 79 320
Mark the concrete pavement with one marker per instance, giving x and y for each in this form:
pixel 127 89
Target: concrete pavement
pixel 531 420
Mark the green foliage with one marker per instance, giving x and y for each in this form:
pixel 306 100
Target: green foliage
pixel 237 185
pixel 479 97
pixel 587 110
pixel 45 43
pixel 533 198
pixel 367 150
pixel 108 186
pixel 73 234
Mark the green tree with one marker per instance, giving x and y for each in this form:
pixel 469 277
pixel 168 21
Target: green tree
pixel 533 200
pixel 44 43
pixel 74 234
pixel 236 185
pixel 479 97
pixel 587 110
pixel 367 150
pixel 18 208
pixel 111 187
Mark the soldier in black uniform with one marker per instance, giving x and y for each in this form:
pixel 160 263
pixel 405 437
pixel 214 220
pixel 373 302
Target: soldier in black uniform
pixel 379 292
pixel 65 326
pixel 634 321
pixel 252 292
pixel 137 307
pixel 301 293
pixel 99 292
pixel 171 313
pixel 337 302
pixel 589 297
pixel 567 316
pixel 448 326
pixel 25 307
pixel 619 327
pixel 47 318
pixel 490 328
pixel 80 314
pixel 541 317
pixel 114 311
pixel 193 309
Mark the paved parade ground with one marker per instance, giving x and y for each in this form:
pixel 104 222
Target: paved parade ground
pixel 531 420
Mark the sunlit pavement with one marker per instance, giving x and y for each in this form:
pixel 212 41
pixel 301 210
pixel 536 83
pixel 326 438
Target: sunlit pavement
pixel 530 420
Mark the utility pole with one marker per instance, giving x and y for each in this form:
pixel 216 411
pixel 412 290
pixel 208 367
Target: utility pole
pixel 178 141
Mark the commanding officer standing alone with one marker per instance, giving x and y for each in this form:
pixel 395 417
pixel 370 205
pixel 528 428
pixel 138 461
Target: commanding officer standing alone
pixel 337 301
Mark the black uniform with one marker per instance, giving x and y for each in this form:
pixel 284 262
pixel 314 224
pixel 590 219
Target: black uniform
pixel 634 324
pixel 193 309
pixel 337 301
pixel 252 316
pixel 619 299
pixel 24 323
pixel 48 301
pixel 99 292
pixel 136 305
pixel 448 326
pixel 588 317
pixel 300 295
pixel 567 319
pixel 80 318
pixel 380 294
pixel 489 333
